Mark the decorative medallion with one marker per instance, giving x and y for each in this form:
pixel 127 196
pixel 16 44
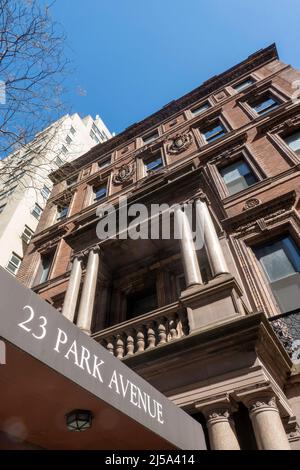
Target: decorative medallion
pixel 179 143
pixel 251 203
pixel 124 174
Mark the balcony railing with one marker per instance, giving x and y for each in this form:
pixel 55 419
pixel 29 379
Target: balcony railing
pixel 145 332
pixel 287 328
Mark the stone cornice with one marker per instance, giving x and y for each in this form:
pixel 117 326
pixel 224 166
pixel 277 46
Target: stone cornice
pixel 283 202
pixel 255 60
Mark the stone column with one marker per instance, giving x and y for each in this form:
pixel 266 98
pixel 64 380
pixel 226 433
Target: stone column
pixel 267 425
pixel 87 301
pixel 188 253
pixel 221 429
pixel 212 244
pixel 71 296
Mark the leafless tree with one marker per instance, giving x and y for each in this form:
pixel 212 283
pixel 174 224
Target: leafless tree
pixel 33 68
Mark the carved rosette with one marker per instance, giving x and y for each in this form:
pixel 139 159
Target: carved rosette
pixel 250 203
pixel 125 173
pixel 179 143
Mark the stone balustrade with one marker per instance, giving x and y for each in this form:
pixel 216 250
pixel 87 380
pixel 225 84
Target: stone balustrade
pixel 145 332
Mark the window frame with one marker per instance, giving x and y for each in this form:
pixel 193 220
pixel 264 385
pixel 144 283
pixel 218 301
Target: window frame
pixel 149 134
pixel 266 89
pixel 244 153
pixel 69 140
pixel 241 160
pixel 103 160
pixel 25 237
pixel 38 217
pixel 100 185
pixel 281 232
pixel 13 254
pixel 60 218
pixel 42 192
pixel 154 157
pixel 239 82
pixel 201 127
pixel 198 106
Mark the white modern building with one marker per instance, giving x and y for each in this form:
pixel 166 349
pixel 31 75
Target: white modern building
pixel 24 183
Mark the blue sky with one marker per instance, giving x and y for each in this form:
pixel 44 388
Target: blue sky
pixel 131 57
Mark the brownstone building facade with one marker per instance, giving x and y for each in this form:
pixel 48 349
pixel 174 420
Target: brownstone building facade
pixel 216 329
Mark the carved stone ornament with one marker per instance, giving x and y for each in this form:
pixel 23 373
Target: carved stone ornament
pixel 251 203
pixel 219 414
pixel 179 143
pixel 124 174
pixel 262 402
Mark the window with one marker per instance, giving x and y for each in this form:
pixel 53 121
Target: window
pixel 95 129
pixel 72 180
pixel 14 263
pixel 280 260
pixel 45 192
pixel 214 132
pixel 150 137
pixel 293 141
pixel 72 130
pixel 37 211
pixel 153 163
pixel 244 84
pixel 62 212
pixel 265 105
pixel 238 176
pixel 64 150
pixel 201 109
pixel 94 137
pixel 100 192
pixel 27 234
pixel 46 262
pixel 59 161
pixel 68 139
pixel 7 193
pixel 104 163
pixel 2 208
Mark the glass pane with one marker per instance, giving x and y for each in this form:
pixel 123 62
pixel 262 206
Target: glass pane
pixel 46 263
pixel 265 105
pixel 287 292
pixel 275 261
pixel 237 185
pixel 201 109
pixel 293 141
pixel 241 86
pixel 100 192
pixel 235 171
pixel 154 164
pixel 214 132
pixel 149 138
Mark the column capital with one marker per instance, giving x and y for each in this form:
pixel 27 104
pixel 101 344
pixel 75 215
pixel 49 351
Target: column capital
pixel 95 249
pixel 261 402
pixel 218 409
pixel 200 196
pixel 80 256
pixel 258 399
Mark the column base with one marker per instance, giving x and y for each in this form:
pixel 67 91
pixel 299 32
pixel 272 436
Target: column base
pixel 212 303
